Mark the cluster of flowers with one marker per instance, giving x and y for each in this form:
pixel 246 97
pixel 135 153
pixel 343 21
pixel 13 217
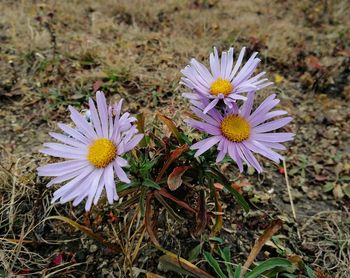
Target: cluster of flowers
pixel 94 148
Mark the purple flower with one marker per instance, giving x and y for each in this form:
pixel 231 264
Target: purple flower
pixel 93 151
pixel 225 81
pixel 238 131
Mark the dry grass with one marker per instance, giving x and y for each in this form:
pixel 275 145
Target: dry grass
pixel 51 53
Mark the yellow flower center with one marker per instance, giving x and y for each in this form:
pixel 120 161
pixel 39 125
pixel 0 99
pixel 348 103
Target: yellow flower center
pixel 235 128
pixel 101 152
pixel 221 86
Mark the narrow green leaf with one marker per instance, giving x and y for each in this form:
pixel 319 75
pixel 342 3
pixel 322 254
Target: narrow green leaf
pixel 194 252
pixel 150 183
pixel 222 179
pixel 226 256
pixel 309 271
pixel 123 186
pixel 238 271
pixel 214 264
pixel 217 239
pixel 267 265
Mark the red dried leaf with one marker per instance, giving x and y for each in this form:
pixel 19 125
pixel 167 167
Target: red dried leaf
pixel 148 220
pixel 202 217
pixel 173 156
pixel 186 206
pixel 218 219
pixel 281 170
pixel 321 178
pixel 175 178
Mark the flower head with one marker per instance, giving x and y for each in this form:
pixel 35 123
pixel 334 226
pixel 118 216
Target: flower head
pixel 225 81
pixel 93 151
pixel 238 131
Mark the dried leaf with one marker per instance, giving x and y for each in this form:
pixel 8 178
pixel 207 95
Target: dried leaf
pixel 218 218
pixel 313 62
pixel 186 206
pixel 87 231
pixel 175 263
pixel 338 192
pixel 173 156
pixel 175 178
pixel 201 217
pixel 170 124
pixel 268 233
pixel 148 220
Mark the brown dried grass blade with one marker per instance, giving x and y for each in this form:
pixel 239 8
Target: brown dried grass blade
pixel 202 216
pixel 173 262
pixel 268 233
pixel 86 231
pixel 218 218
pixel 148 220
pixel 141 128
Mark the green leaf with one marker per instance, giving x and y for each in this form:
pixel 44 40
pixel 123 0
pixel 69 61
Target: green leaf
pixel 217 239
pixel 328 186
pixel 194 252
pixel 238 271
pixel 214 264
pixel 123 186
pixel 151 184
pixel 267 265
pixel 309 271
pixel 222 179
pixel 226 256
pixel 346 190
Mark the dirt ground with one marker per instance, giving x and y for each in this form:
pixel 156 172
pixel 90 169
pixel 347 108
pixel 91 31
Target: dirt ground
pixel 52 53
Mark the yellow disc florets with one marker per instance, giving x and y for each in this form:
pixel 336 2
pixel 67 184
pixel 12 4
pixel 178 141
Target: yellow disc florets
pixel 101 152
pixel 235 128
pixel 221 86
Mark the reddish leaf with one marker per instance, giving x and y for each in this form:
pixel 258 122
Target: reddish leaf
pixel 173 156
pixel 112 218
pixel 175 178
pixel 321 178
pixel 281 170
pixel 166 194
pixel 148 220
pixel 239 185
pixel 202 217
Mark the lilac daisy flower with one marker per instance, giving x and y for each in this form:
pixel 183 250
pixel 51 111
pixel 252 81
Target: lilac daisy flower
pixel 239 131
pixel 225 81
pixel 93 151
